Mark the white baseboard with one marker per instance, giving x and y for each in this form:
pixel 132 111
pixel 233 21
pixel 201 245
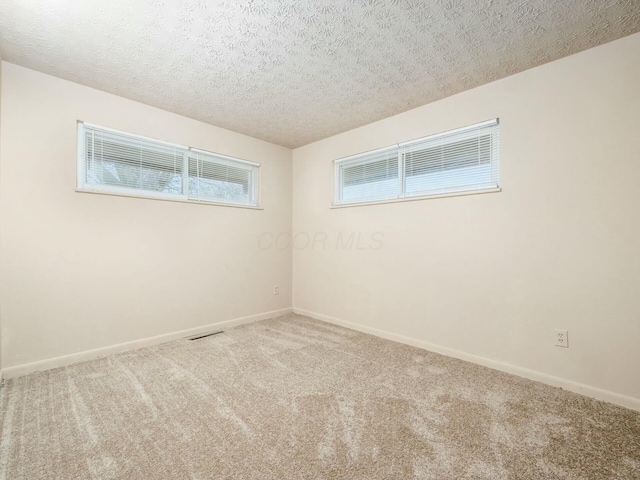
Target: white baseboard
pixel 587 390
pixel 27 368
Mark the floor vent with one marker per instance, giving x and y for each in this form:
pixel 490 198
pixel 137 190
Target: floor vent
pixel 206 335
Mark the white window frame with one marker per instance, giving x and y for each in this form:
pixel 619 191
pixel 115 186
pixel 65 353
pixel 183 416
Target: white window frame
pixel 83 186
pixel 403 195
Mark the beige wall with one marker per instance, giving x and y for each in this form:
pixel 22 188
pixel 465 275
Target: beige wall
pixel 83 271
pixel 0 217
pixel 493 275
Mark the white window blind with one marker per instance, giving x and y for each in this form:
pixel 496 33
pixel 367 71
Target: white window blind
pixel 110 161
pixel 368 176
pixel 215 177
pixel 461 160
pixel 115 159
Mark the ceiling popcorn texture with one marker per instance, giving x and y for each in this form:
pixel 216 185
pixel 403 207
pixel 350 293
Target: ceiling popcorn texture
pixel 295 71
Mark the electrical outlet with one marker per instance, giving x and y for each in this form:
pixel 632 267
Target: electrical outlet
pixel 276 290
pixel 562 338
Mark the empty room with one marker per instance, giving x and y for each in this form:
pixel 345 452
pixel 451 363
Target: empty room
pixel 335 239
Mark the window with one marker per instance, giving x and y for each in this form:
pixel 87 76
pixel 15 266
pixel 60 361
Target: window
pixel 462 160
pixel 115 162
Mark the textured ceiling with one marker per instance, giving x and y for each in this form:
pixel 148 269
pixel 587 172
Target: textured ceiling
pixel 295 71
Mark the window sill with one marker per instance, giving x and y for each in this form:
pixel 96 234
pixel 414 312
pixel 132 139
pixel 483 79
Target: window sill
pixel 167 198
pixel 416 198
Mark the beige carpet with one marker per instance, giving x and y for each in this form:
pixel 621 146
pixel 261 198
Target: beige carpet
pixel 297 398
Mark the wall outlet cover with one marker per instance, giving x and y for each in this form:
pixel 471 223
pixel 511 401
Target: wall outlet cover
pixel 562 338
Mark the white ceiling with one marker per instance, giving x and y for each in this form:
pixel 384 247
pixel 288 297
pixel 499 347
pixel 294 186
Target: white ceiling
pixel 295 71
